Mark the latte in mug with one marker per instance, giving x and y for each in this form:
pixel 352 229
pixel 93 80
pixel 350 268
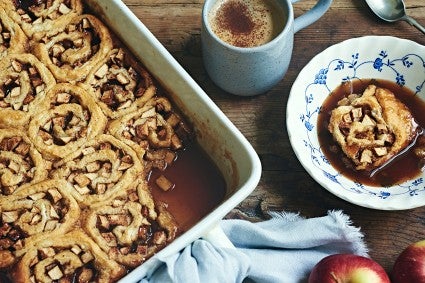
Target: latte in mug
pixel 246 23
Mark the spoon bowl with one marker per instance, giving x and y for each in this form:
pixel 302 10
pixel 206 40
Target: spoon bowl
pixel 392 11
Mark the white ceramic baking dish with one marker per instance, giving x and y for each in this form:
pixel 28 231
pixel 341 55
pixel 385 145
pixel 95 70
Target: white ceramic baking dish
pixel 223 142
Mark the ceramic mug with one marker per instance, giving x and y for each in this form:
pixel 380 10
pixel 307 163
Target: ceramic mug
pixel 248 71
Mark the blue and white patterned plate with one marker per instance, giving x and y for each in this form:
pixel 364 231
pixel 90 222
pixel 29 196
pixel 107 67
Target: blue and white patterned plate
pixel 381 57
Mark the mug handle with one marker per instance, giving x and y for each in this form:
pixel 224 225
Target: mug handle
pixel 311 15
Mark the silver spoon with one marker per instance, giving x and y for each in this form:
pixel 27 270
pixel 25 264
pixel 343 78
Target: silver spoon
pixel 391 11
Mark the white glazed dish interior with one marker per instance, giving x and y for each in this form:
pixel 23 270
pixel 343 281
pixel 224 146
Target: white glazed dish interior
pixel 380 57
pixel 223 142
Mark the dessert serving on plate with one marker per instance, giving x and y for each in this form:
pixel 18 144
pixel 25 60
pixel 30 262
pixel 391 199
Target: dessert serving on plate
pixel 82 124
pixel 373 127
pixel 371 130
pixel 370 152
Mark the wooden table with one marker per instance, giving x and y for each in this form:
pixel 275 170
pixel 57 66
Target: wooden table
pixel 284 184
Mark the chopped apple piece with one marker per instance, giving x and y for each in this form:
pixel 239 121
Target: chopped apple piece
pixel 163 183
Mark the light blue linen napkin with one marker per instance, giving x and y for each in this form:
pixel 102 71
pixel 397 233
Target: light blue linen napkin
pixel 283 249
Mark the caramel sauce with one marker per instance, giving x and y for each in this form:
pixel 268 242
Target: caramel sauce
pixel 403 167
pixel 198 188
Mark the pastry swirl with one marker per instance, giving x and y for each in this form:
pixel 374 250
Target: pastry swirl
pixel 129 228
pixel 154 131
pixel 67 117
pixel 100 168
pixel 72 257
pixel 46 208
pixel 119 87
pixel 372 128
pixel 42 17
pixel 24 81
pixel 71 54
pixel 20 162
pixel 12 38
pixel 82 125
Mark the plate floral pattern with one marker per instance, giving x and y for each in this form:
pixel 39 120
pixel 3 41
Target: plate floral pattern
pixel 381 57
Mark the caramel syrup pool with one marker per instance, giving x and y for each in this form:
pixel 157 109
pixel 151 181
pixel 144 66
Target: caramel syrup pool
pixel 405 166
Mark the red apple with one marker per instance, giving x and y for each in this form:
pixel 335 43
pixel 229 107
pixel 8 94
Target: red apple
pixel 348 268
pixel 410 264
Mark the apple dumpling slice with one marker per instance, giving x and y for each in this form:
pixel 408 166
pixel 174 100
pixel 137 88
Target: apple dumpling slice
pixel 24 81
pixel 155 131
pixel 99 169
pixel 119 84
pixel 73 53
pixel 66 119
pixel 43 209
pixel 373 127
pixel 71 257
pixel 129 228
pixel 12 38
pixel 20 162
pixel 40 18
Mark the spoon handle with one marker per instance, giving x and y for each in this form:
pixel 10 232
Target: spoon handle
pixel 414 23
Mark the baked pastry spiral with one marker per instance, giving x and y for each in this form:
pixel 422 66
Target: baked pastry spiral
pixel 373 127
pixel 44 209
pixel 71 54
pixel 20 162
pixel 72 257
pixel 67 117
pixel 82 125
pixel 24 81
pixel 12 38
pixel 40 18
pixel 129 228
pixel 100 168
pixel 119 87
pixel 155 131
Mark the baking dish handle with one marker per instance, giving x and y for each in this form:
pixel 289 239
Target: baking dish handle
pixel 218 238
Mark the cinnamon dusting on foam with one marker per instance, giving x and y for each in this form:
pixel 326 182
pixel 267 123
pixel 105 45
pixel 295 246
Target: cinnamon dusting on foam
pixel 246 23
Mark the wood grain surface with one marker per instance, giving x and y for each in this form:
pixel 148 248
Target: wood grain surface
pixel 284 184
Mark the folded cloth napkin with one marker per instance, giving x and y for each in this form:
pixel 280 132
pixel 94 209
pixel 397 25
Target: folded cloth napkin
pixel 283 249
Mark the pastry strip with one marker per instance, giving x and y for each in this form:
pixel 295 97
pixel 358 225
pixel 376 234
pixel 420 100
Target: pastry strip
pixel 42 17
pixel 373 127
pixel 20 162
pixel 67 118
pixel 100 168
pixel 12 38
pixel 129 228
pixel 73 53
pixel 154 131
pixel 45 209
pixel 73 257
pixel 119 87
pixel 24 81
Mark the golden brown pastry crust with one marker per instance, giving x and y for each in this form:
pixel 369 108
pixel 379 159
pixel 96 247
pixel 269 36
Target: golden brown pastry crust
pixel 45 209
pixel 61 169
pixel 99 169
pixel 119 85
pixel 45 19
pixel 20 162
pixel 24 81
pixel 72 255
pixel 154 131
pixel 127 228
pixel 12 38
pixel 372 128
pixel 73 53
pixel 67 118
